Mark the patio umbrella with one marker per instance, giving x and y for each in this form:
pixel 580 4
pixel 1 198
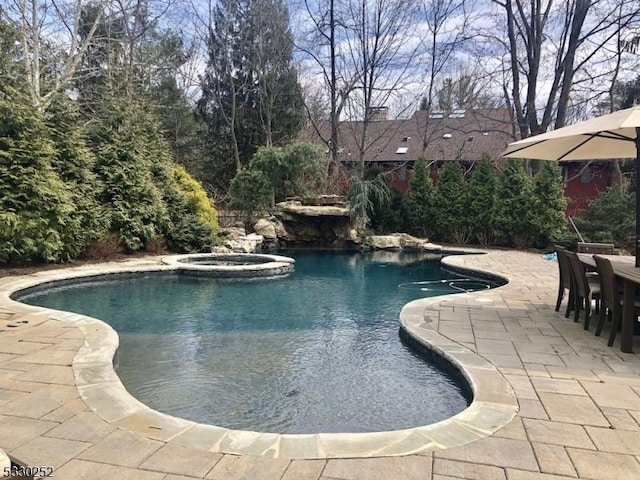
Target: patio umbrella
pixel 612 136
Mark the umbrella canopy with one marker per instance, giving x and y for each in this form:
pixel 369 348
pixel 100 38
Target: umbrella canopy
pixel 612 136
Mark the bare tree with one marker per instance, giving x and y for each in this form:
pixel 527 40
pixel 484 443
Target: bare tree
pixel 381 54
pixel 51 45
pixel 223 82
pixel 447 30
pixel 566 35
pixel 319 39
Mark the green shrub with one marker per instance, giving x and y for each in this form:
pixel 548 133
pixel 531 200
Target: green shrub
pixel 250 191
pixel 125 140
pixel 38 218
pixel 482 199
pixel 450 205
pixel 363 195
pixel 516 204
pixel 420 200
pixel 190 235
pixel 390 216
pixel 551 221
pixel 297 169
pixel 196 201
pixel 610 218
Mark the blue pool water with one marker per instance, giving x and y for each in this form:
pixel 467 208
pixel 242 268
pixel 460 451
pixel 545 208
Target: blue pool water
pixel 318 351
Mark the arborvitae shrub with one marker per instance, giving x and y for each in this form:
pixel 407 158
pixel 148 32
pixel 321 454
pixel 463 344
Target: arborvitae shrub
pixel 450 202
pixel 420 200
pixel 551 204
pixel 37 211
pixel 516 204
pixel 482 195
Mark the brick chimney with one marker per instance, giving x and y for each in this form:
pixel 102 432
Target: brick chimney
pixel 378 113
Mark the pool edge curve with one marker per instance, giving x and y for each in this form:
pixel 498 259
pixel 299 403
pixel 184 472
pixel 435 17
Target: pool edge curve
pixel 494 403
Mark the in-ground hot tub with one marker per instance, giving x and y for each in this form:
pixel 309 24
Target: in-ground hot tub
pixel 232 265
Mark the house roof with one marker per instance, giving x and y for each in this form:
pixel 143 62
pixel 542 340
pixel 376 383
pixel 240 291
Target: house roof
pixel 458 135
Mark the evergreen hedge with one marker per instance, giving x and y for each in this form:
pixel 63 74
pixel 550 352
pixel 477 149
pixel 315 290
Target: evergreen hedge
pixel 509 208
pixel 63 188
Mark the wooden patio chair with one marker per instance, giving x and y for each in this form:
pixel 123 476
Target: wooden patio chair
pixel 611 298
pixel 587 289
pixel 565 280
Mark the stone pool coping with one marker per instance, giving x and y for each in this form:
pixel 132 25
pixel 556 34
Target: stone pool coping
pixel 493 407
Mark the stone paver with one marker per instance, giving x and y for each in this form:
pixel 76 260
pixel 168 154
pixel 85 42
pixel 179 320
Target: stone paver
pixel 499 452
pixel 304 470
pixel 85 426
pixel 407 468
pixel 183 460
pixel 122 448
pixel 556 433
pixel 232 467
pixel 572 409
pixel 553 459
pixel 470 471
pixel 603 465
pixel 579 400
pixel 613 395
pixel 50 451
pixel 83 470
pixel 616 441
pixel 15 431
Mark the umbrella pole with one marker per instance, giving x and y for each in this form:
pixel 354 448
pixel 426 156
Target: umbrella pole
pixel 637 196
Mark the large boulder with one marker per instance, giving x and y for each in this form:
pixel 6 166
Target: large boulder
pixel 265 228
pixel 247 244
pixel 281 232
pixel 324 224
pixel 233 233
pixel 297 209
pixel 411 243
pixel 385 242
pixel 398 241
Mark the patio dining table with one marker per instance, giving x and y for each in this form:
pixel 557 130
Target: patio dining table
pixel 624 268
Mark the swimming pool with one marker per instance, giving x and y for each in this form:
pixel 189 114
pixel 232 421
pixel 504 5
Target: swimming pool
pixel 315 352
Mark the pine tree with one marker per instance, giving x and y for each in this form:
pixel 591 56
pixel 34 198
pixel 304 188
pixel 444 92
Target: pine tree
pixel 482 198
pixel 250 91
pixel 420 200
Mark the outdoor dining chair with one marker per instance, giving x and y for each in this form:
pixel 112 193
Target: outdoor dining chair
pixel 587 289
pixel 564 281
pixel 611 298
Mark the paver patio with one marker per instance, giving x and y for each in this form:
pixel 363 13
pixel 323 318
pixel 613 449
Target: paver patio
pixel 579 400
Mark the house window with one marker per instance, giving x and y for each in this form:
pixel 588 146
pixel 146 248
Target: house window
pixel 458 113
pixel 401 174
pixel 402 150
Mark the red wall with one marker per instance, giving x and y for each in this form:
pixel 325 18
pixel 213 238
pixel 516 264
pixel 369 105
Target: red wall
pixel 581 192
